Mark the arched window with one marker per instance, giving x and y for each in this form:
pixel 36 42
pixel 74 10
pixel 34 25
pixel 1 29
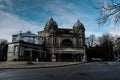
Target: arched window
pixel 66 43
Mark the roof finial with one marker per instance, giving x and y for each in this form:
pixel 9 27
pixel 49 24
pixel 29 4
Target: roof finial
pixel 51 18
pixel 78 20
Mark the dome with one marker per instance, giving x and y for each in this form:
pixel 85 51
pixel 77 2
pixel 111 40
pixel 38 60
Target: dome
pixel 78 25
pixel 51 24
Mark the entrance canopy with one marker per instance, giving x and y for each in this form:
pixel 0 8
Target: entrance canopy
pixel 67 51
pixel 34 50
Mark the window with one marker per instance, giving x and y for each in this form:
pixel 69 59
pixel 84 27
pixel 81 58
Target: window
pixel 55 40
pixel 66 43
pixel 16 50
pixel 10 49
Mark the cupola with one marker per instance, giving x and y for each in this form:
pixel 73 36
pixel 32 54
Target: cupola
pixel 51 24
pixel 78 25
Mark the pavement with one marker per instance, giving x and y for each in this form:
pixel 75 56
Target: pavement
pixel 24 65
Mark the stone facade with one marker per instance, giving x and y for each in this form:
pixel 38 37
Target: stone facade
pixel 51 44
pixel 64 44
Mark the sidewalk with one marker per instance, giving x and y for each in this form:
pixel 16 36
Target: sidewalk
pixel 23 65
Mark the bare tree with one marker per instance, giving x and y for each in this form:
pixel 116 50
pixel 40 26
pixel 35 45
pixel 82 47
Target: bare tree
pixel 3 49
pixel 91 40
pixel 3 42
pixel 108 9
pixel 106 45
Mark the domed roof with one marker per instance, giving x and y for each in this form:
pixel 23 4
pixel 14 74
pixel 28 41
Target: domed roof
pixel 78 25
pixel 51 23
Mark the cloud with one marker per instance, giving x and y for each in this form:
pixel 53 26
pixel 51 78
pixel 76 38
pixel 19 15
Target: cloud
pixel 114 30
pixel 59 7
pixel 97 34
pixel 67 13
pixel 5 4
pixel 2 6
pixel 35 14
pixel 11 24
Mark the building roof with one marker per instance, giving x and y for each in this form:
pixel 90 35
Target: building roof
pixel 51 23
pixel 63 31
pixel 27 37
pixel 28 33
pixel 78 25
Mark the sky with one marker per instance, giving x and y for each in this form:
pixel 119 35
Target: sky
pixel 24 15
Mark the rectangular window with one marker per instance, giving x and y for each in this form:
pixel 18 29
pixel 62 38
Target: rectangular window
pixel 16 50
pixel 48 40
pixel 55 40
pixel 10 50
pixel 21 53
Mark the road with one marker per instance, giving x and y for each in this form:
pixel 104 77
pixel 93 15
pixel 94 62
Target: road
pixel 87 71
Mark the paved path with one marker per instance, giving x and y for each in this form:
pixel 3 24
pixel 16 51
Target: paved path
pixel 87 71
pixel 22 65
